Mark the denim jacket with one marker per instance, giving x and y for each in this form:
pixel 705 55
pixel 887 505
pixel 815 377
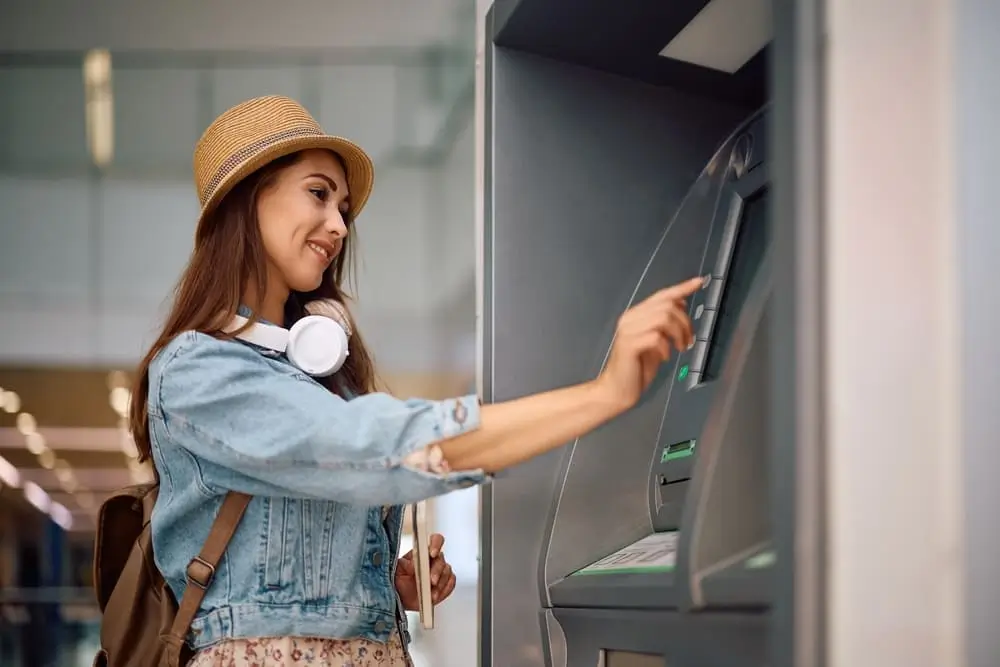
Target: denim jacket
pixel 312 556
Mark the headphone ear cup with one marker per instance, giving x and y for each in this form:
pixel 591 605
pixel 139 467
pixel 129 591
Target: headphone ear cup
pixel 317 345
pixel 333 309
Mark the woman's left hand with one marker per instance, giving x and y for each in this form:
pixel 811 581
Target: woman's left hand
pixel 442 578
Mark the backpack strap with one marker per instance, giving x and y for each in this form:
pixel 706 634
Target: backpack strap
pixel 201 569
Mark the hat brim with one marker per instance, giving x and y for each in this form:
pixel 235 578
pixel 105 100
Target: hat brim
pixel 360 170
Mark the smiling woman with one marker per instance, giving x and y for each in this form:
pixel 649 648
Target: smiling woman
pixel 302 212
pixel 257 406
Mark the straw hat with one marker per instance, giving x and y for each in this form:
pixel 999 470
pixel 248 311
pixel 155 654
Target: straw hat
pixel 258 131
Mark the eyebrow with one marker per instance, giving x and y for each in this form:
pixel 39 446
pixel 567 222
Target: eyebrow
pixel 333 183
pixel 333 186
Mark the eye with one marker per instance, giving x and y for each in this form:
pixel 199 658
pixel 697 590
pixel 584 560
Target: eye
pixel 320 192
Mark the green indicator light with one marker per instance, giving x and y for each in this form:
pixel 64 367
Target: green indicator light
pixel 683 372
pixel 761 560
pixel 679 450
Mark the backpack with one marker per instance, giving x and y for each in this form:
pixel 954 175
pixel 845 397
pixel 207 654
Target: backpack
pixel 142 624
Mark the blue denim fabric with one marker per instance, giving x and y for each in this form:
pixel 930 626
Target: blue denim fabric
pixel 312 556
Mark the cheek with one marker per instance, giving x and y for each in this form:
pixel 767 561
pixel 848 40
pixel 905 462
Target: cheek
pixel 278 228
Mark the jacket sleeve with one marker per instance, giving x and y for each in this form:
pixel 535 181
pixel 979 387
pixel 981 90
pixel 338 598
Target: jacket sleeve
pixel 265 430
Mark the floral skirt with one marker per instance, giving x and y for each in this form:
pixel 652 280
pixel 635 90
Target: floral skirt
pixel 303 652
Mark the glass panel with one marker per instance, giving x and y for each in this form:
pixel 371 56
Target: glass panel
pixel 42 118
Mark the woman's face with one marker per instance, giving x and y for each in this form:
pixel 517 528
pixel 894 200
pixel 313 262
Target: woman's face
pixel 302 221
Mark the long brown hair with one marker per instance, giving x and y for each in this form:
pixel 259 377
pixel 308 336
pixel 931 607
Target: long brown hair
pixel 228 255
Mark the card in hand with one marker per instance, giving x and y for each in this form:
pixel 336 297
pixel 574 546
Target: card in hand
pixel 422 563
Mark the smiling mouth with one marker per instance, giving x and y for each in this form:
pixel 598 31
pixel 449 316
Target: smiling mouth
pixel 325 253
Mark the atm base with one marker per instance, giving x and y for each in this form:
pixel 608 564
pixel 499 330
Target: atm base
pixel 682 640
pixel 744 585
pixel 633 590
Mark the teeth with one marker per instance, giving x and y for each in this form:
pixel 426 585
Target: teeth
pixel 319 250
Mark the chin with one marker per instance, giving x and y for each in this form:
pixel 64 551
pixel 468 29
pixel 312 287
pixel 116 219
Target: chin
pixel 306 283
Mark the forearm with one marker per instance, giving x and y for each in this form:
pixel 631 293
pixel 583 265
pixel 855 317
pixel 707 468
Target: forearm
pixel 515 431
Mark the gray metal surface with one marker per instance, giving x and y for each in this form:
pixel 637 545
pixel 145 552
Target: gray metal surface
pixel 727 516
pixel 798 79
pixel 979 247
pixel 681 640
pixel 484 352
pixel 747 583
pixel 641 488
pixel 632 590
pixel 576 202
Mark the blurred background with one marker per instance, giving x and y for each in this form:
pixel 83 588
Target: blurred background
pixel 100 106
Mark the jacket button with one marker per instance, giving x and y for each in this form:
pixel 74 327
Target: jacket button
pixel 377 559
pixel 380 626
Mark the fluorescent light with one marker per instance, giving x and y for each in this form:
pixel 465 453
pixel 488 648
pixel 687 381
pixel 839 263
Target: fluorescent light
pixel 63 472
pixel 36 496
pixel 724 35
pixel 47 459
pixel 61 516
pixel 35 442
pixel 10 402
pixel 119 398
pixel 100 112
pixel 26 423
pixel 8 473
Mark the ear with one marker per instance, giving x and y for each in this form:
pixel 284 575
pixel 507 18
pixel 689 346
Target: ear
pixel 333 309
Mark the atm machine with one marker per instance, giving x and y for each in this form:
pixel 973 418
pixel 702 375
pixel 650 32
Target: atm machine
pixel 757 507
pixel 626 149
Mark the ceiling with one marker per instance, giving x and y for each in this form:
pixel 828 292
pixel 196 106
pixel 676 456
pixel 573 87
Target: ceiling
pixel 626 38
pixel 231 25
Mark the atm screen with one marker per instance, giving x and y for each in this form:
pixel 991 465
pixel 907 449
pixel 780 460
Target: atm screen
pixel 748 253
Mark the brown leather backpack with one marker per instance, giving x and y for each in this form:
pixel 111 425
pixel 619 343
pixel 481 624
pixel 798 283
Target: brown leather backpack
pixel 142 625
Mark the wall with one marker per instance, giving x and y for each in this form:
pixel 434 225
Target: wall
pixel 977 51
pixel 892 413
pixel 89 258
pixel 58 25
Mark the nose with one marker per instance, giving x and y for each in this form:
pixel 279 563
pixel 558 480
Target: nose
pixel 335 225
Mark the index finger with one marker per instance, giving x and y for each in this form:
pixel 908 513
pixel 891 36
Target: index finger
pixel 684 289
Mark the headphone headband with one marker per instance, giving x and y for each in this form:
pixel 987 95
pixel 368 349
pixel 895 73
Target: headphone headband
pixel 264 335
pixel 317 344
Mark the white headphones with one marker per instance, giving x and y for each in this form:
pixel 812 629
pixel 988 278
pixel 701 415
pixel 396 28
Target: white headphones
pixel 316 344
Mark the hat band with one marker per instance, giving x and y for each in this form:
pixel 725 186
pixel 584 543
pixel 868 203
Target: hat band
pixel 248 151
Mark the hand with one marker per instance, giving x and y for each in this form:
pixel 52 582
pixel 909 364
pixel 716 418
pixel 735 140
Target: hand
pixel 643 339
pixel 442 578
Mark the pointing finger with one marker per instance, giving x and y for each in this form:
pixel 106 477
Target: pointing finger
pixel 684 289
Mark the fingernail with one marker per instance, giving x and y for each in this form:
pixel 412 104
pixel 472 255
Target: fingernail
pixel 434 579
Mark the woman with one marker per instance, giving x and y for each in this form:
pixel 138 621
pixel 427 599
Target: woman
pixel 312 575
